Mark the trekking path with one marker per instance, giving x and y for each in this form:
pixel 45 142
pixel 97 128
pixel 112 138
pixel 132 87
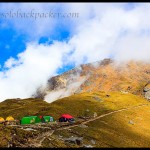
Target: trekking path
pixel 101 116
pixel 37 142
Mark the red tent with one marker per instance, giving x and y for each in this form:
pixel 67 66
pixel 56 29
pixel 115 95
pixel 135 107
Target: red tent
pixel 67 116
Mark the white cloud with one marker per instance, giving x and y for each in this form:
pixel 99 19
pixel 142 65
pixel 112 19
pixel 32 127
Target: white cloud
pixel 38 63
pixel 70 88
pixel 34 28
pixel 135 48
pixel 11 62
pixel 118 33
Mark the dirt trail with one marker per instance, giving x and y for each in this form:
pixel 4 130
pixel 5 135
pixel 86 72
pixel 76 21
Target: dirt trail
pixel 101 116
pixel 37 142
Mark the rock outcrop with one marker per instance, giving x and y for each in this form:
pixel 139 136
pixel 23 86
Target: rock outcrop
pixel 147 91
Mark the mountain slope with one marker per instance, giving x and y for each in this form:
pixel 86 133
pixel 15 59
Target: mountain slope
pixel 126 128
pixel 105 75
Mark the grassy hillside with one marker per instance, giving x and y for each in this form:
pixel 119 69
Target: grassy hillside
pixel 116 130
pixel 128 128
pixel 77 105
pixel 21 107
pixel 88 103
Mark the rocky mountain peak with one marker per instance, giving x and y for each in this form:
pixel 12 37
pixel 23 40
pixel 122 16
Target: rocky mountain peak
pixel 102 75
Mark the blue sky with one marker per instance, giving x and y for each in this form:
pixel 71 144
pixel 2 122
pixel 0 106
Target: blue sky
pixel 12 42
pixel 67 35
